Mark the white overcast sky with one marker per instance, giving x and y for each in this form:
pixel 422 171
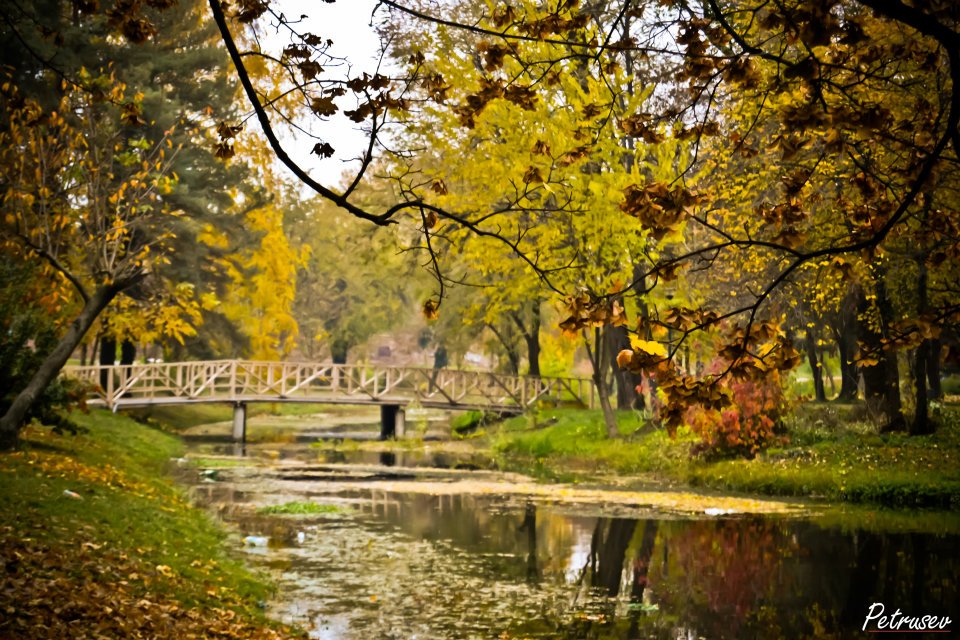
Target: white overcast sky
pixel 347 23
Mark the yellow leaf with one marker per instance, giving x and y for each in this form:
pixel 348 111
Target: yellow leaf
pixel 648 346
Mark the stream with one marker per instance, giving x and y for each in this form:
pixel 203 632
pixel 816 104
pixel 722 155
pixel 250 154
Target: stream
pixel 422 544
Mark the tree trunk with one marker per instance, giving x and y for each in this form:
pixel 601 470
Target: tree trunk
pixel 816 371
pixel 845 332
pixel 827 372
pixel 921 425
pixel 532 337
pixel 626 381
pixel 882 380
pixel 11 422
pixel 128 352
pixel 933 370
pixel 599 363
pixel 108 355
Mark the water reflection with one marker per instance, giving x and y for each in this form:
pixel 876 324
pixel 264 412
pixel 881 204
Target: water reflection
pixel 468 566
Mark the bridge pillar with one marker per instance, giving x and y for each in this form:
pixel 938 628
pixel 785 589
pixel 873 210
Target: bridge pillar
pixel 392 421
pixel 240 422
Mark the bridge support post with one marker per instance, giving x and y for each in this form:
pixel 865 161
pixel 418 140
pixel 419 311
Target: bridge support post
pixel 392 421
pixel 240 422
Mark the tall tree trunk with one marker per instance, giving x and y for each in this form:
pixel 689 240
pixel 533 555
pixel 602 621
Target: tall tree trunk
pixel 921 424
pixel 532 337
pixel 626 381
pixel 816 371
pixel 827 372
pixel 108 356
pixel 128 352
pixel 598 360
pixel 338 351
pixel 845 331
pixel 11 422
pixel 882 380
pixel 933 370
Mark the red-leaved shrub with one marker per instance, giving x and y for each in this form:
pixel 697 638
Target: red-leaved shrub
pixel 749 425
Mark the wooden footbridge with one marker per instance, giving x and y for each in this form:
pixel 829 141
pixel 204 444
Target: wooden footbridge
pixel 240 382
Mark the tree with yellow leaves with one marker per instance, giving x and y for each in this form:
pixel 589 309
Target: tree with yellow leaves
pixel 84 199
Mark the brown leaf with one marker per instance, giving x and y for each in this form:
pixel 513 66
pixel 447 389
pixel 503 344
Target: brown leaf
pixel 532 175
pixel 323 149
pixel 540 148
pixel 431 309
pixel 224 151
pixel 226 131
pixel 323 106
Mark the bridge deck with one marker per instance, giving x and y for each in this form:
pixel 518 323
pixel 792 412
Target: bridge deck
pixel 239 381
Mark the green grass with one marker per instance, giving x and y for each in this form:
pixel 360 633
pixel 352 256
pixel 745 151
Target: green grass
pixel 128 510
pixel 302 509
pixel 830 453
pixel 576 439
pixel 181 417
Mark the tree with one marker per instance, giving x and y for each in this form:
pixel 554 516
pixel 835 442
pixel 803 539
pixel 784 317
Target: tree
pixel 351 285
pixel 261 300
pixel 871 83
pixel 87 205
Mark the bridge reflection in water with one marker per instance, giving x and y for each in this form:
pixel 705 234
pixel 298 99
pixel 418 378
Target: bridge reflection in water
pixel 240 382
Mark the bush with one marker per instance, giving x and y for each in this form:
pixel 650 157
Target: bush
pixel 752 423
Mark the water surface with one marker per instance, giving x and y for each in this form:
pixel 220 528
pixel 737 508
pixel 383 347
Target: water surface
pixel 408 555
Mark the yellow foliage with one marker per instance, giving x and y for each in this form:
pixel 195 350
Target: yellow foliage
pixel 648 346
pixel 260 299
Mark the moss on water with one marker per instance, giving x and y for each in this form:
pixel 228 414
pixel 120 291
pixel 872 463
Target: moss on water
pixel 303 509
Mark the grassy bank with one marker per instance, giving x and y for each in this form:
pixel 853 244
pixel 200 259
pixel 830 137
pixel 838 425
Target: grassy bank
pixel 185 416
pixel 829 453
pixel 98 542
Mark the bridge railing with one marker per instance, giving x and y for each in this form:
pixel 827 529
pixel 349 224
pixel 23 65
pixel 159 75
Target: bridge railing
pixel 243 380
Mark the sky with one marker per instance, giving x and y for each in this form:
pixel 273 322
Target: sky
pixel 348 24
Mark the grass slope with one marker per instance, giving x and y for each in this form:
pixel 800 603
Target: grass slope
pixel 99 542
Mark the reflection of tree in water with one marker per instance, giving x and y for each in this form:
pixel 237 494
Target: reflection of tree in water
pixel 608 548
pixel 720 575
pixel 731 578
pixel 529 527
pixel 913 572
pixel 750 577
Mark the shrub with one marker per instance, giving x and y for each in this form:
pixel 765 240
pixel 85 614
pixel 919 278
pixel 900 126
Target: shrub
pixel 752 423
